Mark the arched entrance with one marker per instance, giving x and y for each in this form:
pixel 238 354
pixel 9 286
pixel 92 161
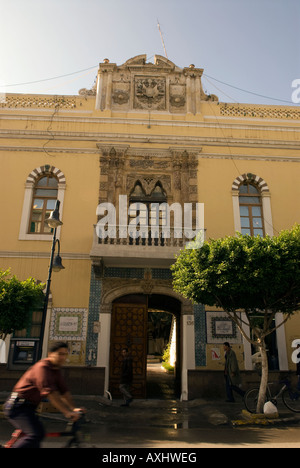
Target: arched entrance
pixel 140 322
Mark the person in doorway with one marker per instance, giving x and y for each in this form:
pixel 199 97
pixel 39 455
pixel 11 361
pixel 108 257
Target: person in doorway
pixel 231 373
pixel 42 380
pixel 298 367
pixel 126 377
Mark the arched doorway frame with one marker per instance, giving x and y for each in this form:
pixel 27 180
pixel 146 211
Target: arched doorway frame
pixel 186 324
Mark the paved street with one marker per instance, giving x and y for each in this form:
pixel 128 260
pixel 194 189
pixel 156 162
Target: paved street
pixel 172 424
pixel 165 422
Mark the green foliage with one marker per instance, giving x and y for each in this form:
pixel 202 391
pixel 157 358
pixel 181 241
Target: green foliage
pixel 243 272
pixel 17 300
pixel 166 359
pixel 260 276
pixel 160 324
pixel 166 353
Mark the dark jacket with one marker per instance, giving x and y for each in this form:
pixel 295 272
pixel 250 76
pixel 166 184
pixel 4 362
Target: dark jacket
pixel 126 371
pixel 232 368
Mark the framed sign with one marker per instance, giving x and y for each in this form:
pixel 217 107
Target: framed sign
pixel 221 328
pixel 68 324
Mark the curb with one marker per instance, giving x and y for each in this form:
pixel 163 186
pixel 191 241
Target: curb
pixel 261 419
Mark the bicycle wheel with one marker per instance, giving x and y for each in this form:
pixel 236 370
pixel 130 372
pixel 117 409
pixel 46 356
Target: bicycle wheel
pixel 291 399
pixel 250 399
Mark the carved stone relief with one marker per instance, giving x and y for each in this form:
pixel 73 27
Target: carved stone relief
pixel 150 93
pixel 112 163
pixel 149 182
pixel 122 166
pixel 113 288
pixel 158 86
pixel 177 95
pixel 120 96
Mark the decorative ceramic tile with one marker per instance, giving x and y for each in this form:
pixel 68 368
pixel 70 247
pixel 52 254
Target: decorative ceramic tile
pixel 115 272
pixel 161 273
pixel 68 324
pixel 221 328
pixel 200 335
pixel 94 312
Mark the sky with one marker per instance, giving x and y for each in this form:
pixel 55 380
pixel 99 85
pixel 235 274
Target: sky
pixel 249 49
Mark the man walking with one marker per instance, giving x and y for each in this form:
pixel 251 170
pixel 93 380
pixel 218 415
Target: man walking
pixel 126 377
pixel 232 373
pixel 42 380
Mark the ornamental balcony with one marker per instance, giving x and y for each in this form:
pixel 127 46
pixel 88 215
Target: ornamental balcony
pixel 149 247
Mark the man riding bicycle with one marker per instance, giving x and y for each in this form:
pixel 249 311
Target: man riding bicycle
pixel 43 380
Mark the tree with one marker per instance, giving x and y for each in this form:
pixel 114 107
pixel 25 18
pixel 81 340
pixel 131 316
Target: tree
pixel 255 275
pixel 17 301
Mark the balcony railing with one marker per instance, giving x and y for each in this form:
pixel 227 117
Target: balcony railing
pixel 120 246
pixel 155 237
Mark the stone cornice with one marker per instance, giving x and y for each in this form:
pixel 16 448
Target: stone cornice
pixel 188 143
pixel 250 157
pixel 204 121
pixel 42 255
pixel 140 151
pixel 152 138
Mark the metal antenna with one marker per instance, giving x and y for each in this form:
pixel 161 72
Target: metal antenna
pixel 162 39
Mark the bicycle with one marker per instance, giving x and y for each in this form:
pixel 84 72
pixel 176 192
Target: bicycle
pixel 290 398
pixel 72 431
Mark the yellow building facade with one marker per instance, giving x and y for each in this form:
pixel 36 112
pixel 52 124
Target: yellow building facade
pixel 145 134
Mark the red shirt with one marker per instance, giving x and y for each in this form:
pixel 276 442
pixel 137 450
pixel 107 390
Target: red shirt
pixel 40 380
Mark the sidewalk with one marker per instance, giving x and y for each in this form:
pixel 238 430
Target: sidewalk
pixel 169 412
pixel 174 413
pixel 157 423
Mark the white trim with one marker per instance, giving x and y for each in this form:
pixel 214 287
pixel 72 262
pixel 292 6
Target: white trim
pixel 26 210
pixel 103 355
pixel 188 352
pixel 265 200
pixel 236 211
pixel 281 343
pixel 47 329
pixel 267 213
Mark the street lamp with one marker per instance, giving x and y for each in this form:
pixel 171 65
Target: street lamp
pixel 55 264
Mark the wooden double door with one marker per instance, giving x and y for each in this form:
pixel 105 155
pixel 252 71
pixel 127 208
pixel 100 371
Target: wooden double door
pixel 129 328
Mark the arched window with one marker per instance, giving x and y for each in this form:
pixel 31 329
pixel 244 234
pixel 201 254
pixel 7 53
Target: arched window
pixel 251 210
pixel 44 185
pixel 137 211
pixel 141 205
pixel 43 202
pixel 145 211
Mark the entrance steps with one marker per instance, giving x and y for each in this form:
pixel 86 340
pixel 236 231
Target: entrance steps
pixel 152 359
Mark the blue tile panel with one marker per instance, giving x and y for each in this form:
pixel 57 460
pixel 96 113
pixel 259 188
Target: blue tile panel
pixel 115 272
pixel 200 335
pixel 94 312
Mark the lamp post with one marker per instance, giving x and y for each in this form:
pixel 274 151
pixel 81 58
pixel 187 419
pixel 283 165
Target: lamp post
pixel 55 264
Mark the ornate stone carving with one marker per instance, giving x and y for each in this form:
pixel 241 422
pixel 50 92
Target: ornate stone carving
pixel 150 93
pixel 87 92
pixel 120 97
pixel 177 95
pixel 149 182
pixel 177 100
pixel 142 85
pixel 147 286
